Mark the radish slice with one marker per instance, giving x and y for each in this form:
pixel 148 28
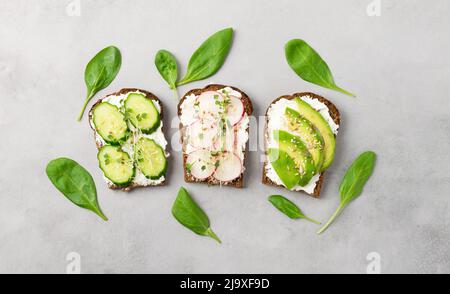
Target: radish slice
pixel 225 142
pixel 200 164
pixel 228 168
pixel 202 133
pixel 235 110
pixel 207 106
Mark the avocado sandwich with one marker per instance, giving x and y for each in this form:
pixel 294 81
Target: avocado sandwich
pixel 214 127
pixel 300 139
pixel 128 131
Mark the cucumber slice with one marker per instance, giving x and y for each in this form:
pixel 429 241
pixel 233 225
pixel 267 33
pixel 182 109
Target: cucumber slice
pixel 116 165
pixel 110 123
pixel 150 158
pixel 142 113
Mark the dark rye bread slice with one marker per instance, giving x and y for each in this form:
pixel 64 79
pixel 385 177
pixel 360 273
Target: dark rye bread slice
pixel 149 95
pixel 335 115
pixel 238 182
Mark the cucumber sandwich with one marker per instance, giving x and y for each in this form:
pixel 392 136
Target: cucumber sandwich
pixel 214 125
pixel 129 135
pixel 300 142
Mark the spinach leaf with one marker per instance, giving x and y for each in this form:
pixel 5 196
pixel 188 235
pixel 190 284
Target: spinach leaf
pixel 190 215
pixel 309 66
pixel 100 72
pixel 353 183
pixel 209 57
pixel 74 182
pixel 289 208
pixel 167 66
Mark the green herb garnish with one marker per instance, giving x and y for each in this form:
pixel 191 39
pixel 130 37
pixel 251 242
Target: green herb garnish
pixel 188 167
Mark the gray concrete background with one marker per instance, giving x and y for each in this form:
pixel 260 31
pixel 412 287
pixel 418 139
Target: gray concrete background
pixel 397 63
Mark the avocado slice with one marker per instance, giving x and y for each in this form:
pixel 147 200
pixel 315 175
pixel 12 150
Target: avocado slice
pixel 308 133
pixel 285 167
pixel 297 151
pixel 305 110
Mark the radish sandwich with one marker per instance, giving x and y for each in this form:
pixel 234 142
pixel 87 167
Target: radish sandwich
pixel 214 126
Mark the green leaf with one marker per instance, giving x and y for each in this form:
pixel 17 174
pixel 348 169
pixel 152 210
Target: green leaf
pixel 100 72
pixel 74 182
pixel 309 66
pixel 190 215
pixel 289 208
pixel 209 57
pixel 353 183
pixel 167 66
pixel 357 176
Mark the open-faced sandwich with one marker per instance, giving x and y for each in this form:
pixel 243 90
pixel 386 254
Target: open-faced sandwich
pixel 129 135
pixel 214 125
pixel 300 141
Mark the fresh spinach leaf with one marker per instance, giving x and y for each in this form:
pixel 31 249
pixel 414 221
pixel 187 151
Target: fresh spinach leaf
pixel 167 66
pixel 74 182
pixel 309 66
pixel 190 215
pixel 100 72
pixel 289 208
pixel 209 57
pixel 353 183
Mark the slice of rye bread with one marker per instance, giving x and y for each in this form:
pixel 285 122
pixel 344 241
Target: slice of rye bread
pixel 335 115
pixel 238 182
pixel 99 145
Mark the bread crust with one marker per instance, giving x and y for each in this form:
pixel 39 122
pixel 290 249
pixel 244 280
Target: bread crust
pixel 148 95
pixel 335 115
pixel 238 182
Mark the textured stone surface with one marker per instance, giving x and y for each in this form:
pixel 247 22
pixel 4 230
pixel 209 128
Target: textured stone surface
pixel 397 64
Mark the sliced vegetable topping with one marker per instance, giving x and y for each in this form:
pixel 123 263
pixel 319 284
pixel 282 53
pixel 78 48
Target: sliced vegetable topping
pixel 214 137
pixel 297 151
pixel 116 165
pixel 228 167
pixel 142 113
pixel 110 123
pixel 285 167
pixel 150 158
pixel 209 105
pixel 308 134
pixel 235 110
pixel 200 164
pixel 305 110
pixel 202 133
pixel 226 139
